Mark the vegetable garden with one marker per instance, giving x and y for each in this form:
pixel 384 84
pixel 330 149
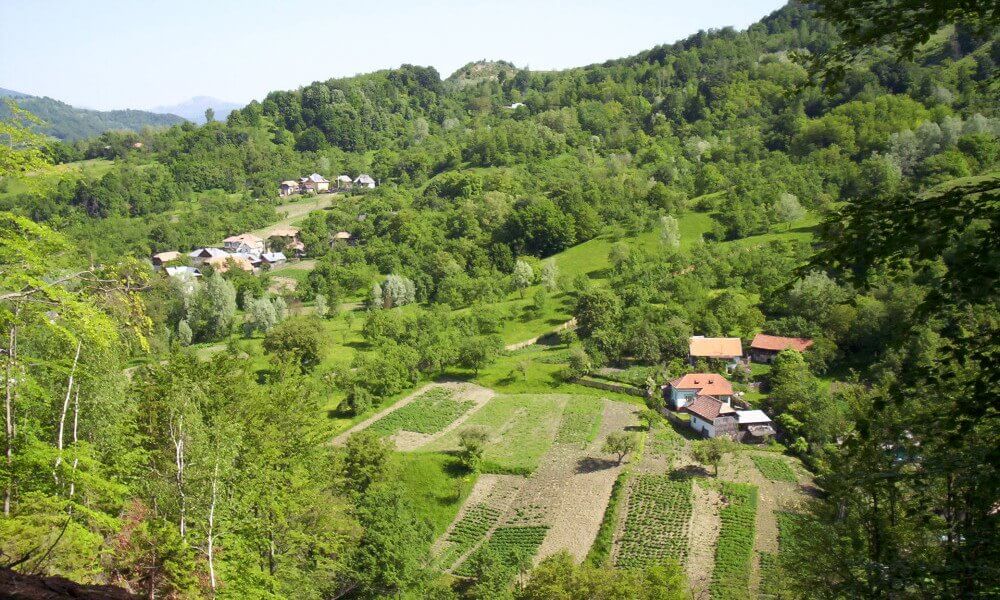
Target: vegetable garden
pixel 434 410
pixel 580 420
pixel 510 544
pixel 657 516
pixel 734 550
pixel 773 468
pixel 477 521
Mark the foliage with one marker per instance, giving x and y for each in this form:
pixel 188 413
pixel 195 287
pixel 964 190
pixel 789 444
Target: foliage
pixel 298 340
pixel 472 444
pixel 774 468
pixel 620 443
pixel 657 512
pixel 557 577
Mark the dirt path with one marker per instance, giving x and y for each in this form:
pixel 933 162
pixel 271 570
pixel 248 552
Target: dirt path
pixel 457 388
pixel 703 534
pixel 526 343
pixel 408 441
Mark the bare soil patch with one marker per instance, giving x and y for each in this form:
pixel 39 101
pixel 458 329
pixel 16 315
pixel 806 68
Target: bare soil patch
pixel 703 533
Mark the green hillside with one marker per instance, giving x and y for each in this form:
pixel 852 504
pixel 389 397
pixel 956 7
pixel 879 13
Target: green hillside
pixel 65 122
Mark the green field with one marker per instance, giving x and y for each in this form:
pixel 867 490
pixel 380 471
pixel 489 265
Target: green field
pixel 509 544
pixel 773 468
pixel 521 429
pixel 430 412
pixel 734 550
pixel 436 484
pixel 656 521
pixel 581 420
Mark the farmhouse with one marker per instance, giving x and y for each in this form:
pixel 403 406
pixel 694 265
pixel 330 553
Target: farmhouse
pixel 202 255
pixel 682 390
pixel 282 237
pixel 163 258
pixel 764 348
pixel 273 259
pixel 728 350
pixel 712 417
pixel 364 180
pixel 244 242
pixel 314 183
pixel 344 182
pixel 221 264
pixel 288 187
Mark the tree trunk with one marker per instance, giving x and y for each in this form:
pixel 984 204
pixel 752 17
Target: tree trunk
pixel 76 451
pixel 177 435
pixel 211 528
pixel 9 413
pixel 62 413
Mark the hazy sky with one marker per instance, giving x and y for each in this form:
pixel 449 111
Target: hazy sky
pixel 141 53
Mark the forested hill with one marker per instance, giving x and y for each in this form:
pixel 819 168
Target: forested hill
pixel 170 432
pixel 65 122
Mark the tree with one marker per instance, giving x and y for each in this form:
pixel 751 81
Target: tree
pixel 620 443
pixel 788 209
pixel 711 451
pixel 559 577
pixel 598 308
pixel 184 333
pixel 321 307
pixel 523 276
pixel 365 461
pixel 479 351
pixel 213 308
pixel 579 364
pixel 20 146
pixel 209 115
pixel 670 232
pixel 472 444
pixel 550 275
pixel 260 317
pixel 396 291
pixel 297 340
pixel 650 417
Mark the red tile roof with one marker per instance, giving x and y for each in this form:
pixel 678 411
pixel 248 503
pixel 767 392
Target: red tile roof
pixel 715 347
pixel 778 343
pixel 708 408
pixel 705 383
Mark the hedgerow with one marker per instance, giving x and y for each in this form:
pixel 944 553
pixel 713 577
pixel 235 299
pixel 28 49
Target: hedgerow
pixel 734 550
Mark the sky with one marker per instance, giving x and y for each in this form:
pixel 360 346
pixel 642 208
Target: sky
pixel 108 54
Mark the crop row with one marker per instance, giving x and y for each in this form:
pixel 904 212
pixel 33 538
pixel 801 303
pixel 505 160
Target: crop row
pixel 773 468
pixel 511 545
pixel 734 550
pixel 429 413
pixel 476 522
pixel 657 516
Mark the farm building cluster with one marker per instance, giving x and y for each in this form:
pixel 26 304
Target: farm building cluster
pixel 317 184
pixel 708 399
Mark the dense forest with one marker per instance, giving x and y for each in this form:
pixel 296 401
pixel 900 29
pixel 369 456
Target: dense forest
pixel 855 203
pixel 65 122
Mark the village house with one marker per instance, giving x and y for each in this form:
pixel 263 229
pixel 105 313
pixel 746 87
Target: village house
pixel 682 390
pixel 288 187
pixel 315 183
pixel 711 417
pixel 342 237
pixel 202 255
pixel 244 242
pixel 221 264
pixel 364 180
pixel 754 425
pixel 273 259
pixel 182 272
pixel 344 182
pixel 727 350
pixel 285 238
pixel 162 258
pixel 764 348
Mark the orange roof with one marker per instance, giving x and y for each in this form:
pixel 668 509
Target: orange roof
pixel 706 383
pixel 707 407
pixel 776 342
pixel 247 238
pixel 221 263
pixel 715 347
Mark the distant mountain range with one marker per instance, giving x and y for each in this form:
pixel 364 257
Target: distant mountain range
pixel 70 123
pixel 194 109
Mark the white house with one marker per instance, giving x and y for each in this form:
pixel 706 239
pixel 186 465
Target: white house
pixel 682 390
pixel 364 180
pixel 274 259
pixel 289 187
pixel 244 242
pixel 314 183
pixel 712 417
pixel 344 182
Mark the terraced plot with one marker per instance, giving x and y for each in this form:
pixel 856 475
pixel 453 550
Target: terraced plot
pixel 469 530
pixel 521 429
pixel 657 517
pixel 428 413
